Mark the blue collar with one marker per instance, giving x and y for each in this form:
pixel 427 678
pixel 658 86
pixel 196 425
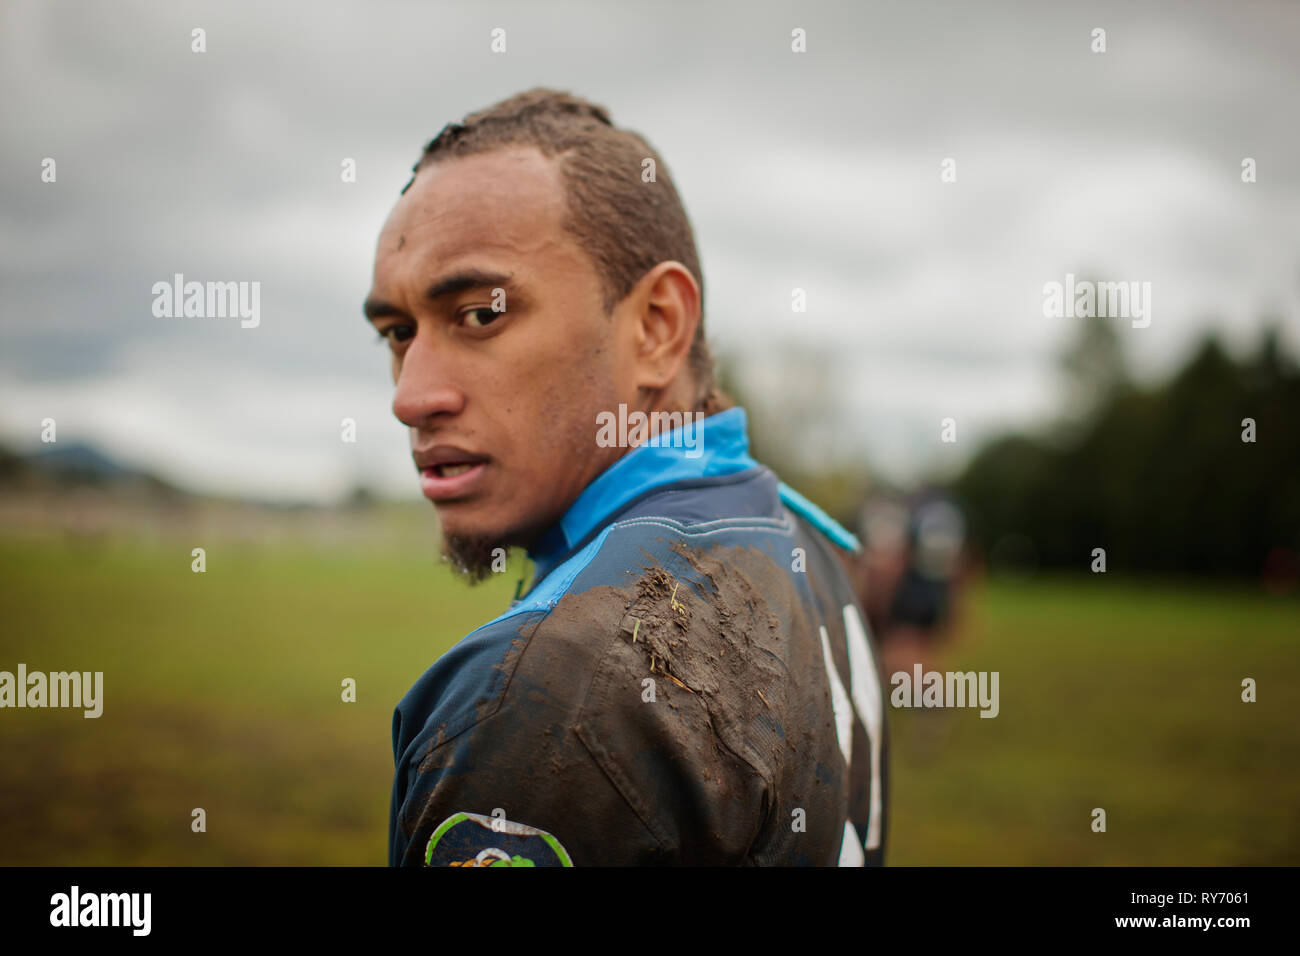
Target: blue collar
pixel 724 449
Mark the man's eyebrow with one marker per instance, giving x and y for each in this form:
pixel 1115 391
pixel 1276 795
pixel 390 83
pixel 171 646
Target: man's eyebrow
pixel 447 285
pixel 468 279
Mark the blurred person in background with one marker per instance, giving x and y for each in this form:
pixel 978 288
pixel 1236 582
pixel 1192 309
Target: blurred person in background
pixel 911 575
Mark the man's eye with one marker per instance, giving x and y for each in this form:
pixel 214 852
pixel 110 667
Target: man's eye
pixel 396 333
pixel 487 317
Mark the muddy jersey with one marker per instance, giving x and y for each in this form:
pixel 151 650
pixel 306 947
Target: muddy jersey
pixel 689 681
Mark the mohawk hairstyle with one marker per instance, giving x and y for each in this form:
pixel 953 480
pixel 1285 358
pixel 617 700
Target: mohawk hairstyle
pixel 626 225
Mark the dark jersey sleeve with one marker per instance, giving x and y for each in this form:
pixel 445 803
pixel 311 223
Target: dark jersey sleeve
pixel 571 732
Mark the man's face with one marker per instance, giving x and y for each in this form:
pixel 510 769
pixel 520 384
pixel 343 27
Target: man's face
pixel 501 405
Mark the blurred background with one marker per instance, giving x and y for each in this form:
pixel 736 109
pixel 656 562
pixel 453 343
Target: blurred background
pixel 817 171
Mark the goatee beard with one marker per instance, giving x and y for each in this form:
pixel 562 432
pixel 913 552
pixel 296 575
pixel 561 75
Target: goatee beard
pixel 471 556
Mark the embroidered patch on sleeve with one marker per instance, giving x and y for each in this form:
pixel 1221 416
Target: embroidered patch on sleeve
pixel 471 839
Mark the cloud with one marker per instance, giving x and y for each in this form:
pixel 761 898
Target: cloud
pixel 819 171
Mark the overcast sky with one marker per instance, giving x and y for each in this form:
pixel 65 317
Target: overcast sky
pixel 818 170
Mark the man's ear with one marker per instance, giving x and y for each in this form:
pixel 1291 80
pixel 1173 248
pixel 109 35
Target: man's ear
pixel 667 313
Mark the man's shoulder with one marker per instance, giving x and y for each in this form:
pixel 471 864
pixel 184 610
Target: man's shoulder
pixel 643 587
pixel 677 654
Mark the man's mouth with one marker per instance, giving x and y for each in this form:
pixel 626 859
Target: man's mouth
pixel 448 473
pixel 450 470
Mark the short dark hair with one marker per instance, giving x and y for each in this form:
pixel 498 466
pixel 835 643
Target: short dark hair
pixel 626 225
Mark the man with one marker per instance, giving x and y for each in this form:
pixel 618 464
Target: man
pixel 688 680
pixel 912 577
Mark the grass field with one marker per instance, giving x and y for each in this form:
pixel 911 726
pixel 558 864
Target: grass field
pixel 223 691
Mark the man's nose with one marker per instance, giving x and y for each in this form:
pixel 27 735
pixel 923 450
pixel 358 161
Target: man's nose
pixel 425 386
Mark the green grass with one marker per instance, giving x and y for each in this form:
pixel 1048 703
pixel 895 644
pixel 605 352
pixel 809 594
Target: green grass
pixel 1126 698
pixel 223 691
